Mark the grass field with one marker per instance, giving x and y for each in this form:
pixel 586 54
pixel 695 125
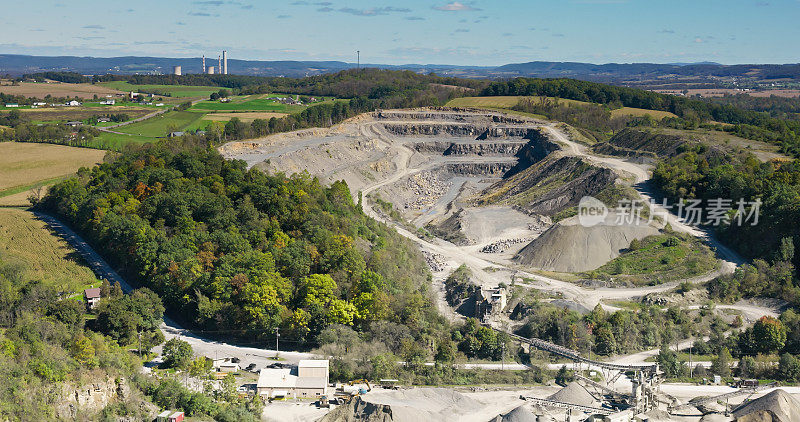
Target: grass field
pixel 176 91
pixel 25 239
pixel 248 103
pixel 506 102
pixel 247 116
pixel 116 141
pixel 51 114
pixel 26 165
pixel 630 111
pixel 656 260
pixel 57 89
pixel 499 102
pixel 158 126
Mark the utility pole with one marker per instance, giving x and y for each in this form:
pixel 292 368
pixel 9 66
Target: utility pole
pixel 503 358
pixel 277 336
pixel 691 369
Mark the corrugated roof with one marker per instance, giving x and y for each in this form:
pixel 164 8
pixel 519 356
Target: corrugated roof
pixel 276 378
pixel 92 293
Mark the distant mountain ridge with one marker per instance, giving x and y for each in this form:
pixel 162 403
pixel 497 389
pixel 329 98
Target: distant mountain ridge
pixel 15 64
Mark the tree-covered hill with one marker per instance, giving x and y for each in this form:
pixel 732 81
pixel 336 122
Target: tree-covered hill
pixel 242 252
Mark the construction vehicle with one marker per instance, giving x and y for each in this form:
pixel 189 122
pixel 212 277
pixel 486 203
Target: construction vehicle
pixel 345 392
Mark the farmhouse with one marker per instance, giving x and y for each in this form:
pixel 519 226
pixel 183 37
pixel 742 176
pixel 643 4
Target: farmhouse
pixel 92 297
pixel 308 379
pixel 73 103
pixel 108 102
pixel 74 124
pixel 39 104
pixel 12 105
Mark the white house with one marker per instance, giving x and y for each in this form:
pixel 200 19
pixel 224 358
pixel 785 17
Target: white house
pixel 108 102
pixel 73 103
pixel 12 105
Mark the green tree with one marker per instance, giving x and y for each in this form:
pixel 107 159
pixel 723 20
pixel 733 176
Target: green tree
pixel 789 368
pixel 721 365
pixel 177 353
pixel 769 335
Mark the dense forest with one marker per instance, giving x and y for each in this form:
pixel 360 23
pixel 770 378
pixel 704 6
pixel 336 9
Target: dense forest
pixel 68 77
pixel 52 350
pixel 706 174
pixel 243 252
pixel 745 123
pixel 344 84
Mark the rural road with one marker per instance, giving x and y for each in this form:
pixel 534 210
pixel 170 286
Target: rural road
pixel 201 346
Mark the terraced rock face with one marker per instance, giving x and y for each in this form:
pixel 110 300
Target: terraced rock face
pixel 481 180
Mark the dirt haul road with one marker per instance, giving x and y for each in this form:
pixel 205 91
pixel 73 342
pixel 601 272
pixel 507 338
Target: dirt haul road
pixel 366 137
pixel 586 297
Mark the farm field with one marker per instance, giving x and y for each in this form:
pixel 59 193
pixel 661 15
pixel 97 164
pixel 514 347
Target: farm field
pixel 79 113
pixel 630 111
pixel 506 102
pixel 175 91
pixel 25 165
pixel 247 116
pixel 248 103
pixel 158 126
pixel 500 101
pixel 57 89
pixel 25 239
pixel 116 141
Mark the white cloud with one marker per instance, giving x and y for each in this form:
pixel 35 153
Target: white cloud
pixel 455 7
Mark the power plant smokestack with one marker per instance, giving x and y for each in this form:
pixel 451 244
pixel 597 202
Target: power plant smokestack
pixel 219 64
pixel 204 63
pixel 224 62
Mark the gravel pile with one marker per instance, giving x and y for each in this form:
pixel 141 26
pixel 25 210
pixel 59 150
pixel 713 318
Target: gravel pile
pixel 435 261
pixel 520 414
pixel 427 188
pixel 776 406
pixel 501 245
pixel 574 393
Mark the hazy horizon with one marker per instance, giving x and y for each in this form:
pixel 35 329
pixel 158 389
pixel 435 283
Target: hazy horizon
pixel 467 33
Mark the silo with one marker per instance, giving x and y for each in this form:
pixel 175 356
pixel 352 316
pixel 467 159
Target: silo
pixel 176 70
pixel 211 69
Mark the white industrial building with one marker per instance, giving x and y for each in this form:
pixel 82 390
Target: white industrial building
pixel 309 379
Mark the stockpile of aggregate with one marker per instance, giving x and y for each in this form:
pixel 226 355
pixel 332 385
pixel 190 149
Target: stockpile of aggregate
pixel 776 406
pixel 574 393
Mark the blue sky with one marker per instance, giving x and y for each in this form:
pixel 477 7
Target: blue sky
pixel 470 32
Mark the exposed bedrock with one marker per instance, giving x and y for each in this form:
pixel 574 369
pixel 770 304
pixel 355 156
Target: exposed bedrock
pixel 434 129
pixel 455 114
pixel 550 186
pixel 469 148
pixel 538 147
pixel 479 169
pixel 631 142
